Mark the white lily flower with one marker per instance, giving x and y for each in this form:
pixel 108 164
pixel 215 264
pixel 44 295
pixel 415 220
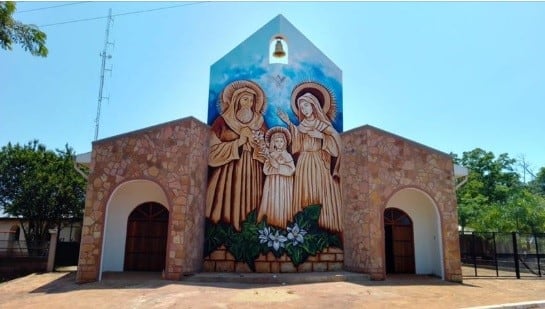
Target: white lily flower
pixel 276 241
pixel 264 235
pixel 295 234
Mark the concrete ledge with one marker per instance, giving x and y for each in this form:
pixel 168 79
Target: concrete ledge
pixel 522 305
pixel 278 278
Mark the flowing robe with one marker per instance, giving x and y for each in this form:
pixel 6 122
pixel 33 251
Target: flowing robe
pixel 316 178
pixel 277 202
pixel 235 181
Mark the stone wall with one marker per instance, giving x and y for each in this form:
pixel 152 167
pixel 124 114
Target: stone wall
pixel 376 164
pixel 173 155
pixel 220 260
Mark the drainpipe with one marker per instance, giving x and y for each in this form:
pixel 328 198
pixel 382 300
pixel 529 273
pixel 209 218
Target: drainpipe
pixel 461 183
pixel 461 172
pixel 76 167
pixel 82 159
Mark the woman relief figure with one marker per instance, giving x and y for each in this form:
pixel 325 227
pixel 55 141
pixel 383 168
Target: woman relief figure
pixel 276 204
pixel 236 166
pixel 318 146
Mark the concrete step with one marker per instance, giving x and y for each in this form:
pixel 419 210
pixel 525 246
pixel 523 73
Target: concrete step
pixel 278 278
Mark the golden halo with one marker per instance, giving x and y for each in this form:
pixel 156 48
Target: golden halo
pixel 238 86
pixel 274 130
pixel 325 97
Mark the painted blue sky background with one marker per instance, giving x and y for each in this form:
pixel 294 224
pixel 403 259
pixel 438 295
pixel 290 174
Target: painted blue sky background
pixel 251 59
pixel 450 75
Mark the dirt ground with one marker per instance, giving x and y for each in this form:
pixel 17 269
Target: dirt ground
pixel 145 290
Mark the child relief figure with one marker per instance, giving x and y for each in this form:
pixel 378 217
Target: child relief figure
pixel 277 201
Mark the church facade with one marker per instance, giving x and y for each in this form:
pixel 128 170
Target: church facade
pixel 270 183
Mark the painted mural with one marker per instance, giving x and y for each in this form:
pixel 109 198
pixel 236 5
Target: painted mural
pixel 275 147
pixel 235 183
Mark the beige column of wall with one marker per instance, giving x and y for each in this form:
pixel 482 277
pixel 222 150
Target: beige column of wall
pixel 376 165
pixel 358 221
pixel 173 155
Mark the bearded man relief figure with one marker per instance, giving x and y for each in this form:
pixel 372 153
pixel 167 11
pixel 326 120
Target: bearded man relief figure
pixel 236 165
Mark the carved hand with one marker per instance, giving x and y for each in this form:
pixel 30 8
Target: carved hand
pixel 246 132
pixel 284 117
pixel 316 134
pixel 242 140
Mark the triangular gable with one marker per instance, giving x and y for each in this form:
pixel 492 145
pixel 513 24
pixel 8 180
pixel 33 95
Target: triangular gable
pixel 250 61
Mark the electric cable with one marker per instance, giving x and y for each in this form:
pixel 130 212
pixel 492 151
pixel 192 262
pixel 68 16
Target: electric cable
pixel 122 14
pixel 50 7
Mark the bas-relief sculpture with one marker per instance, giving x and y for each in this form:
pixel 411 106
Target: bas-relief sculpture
pixel 318 146
pixel 236 181
pixel 276 188
pixel 277 205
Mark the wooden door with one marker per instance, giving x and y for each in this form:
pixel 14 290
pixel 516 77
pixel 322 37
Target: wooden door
pixel 399 241
pixel 147 230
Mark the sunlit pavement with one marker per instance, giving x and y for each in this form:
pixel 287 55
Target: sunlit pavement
pixel 148 290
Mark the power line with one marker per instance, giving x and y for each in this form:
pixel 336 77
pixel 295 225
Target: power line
pixel 121 14
pixel 73 21
pixel 50 7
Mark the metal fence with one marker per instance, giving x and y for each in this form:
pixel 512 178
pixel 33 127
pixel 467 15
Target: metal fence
pixel 12 248
pixel 18 259
pixel 503 254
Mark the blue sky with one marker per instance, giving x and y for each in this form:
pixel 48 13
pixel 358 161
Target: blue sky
pixel 450 75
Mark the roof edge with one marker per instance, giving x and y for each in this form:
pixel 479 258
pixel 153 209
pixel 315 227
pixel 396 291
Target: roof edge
pixel 156 126
pixel 368 126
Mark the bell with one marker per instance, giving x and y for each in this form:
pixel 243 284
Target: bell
pixel 279 50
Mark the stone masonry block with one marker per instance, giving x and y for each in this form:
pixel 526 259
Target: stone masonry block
pixel 241 267
pixel 275 267
pixel 209 266
pixel 263 267
pixel 218 255
pixel 225 266
pixel 319 266
pixel 327 257
pixel 305 267
pixel 335 266
pixel 287 267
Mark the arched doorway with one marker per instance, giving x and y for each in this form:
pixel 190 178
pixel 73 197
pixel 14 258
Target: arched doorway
pixel 123 200
pixel 147 230
pixel 426 224
pixel 399 241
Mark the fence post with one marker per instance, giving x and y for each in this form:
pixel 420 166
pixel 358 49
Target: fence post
pixel 52 249
pixel 537 254
pixel 516 254
pixel 473 253
pixel 495 254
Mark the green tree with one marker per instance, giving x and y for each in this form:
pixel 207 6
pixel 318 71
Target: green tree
pixel 494 198
pixel 537 185
pixel 496 176
pixel 490 181
pixel 13 31
pixel 524 212
pixel 40 187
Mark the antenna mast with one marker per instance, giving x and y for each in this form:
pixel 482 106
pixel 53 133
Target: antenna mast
pixel 105 56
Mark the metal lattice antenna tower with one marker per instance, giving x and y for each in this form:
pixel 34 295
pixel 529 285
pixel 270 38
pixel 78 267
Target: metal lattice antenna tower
pixel 105 56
